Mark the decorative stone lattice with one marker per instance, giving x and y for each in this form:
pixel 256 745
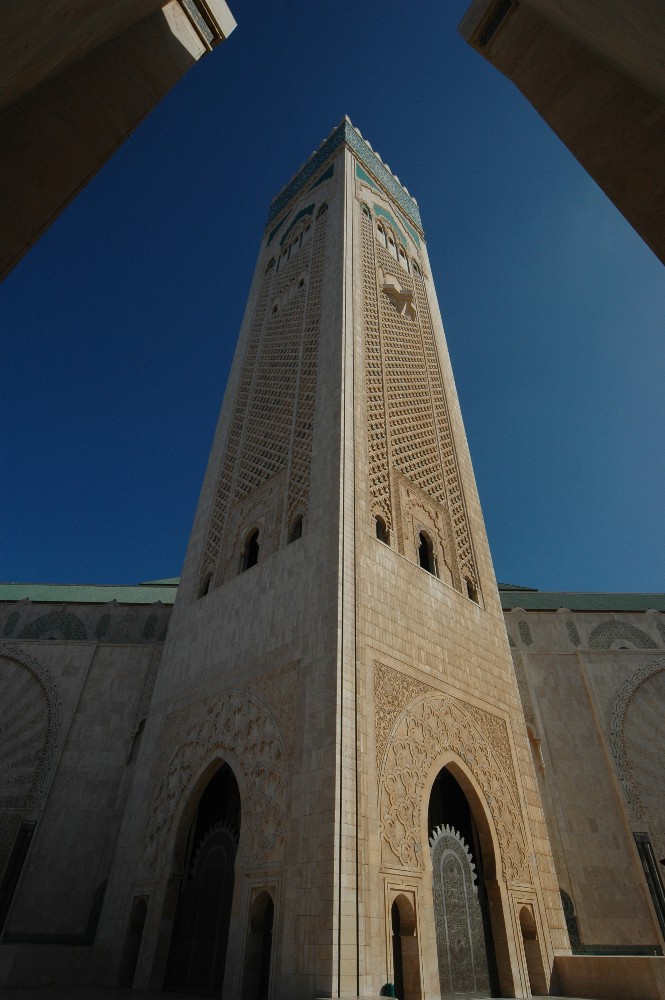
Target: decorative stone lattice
pixel 10 624
pixel 573 634
pixel 102 626
pixel 278 378
pixel 238 724
pixel 69 626
pixel 149 627
pixel 301 455
pixel 408 424
pixel 637 734
pixel 460 941
pixel 603 636
pixel 431 725
pixel 377 428
pixel 29 729
pixel 525 632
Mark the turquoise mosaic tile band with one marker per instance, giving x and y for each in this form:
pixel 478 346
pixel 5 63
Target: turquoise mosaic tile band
pixel 326 175
pixel 391 219
pixel 303 211
pixel 277 228
pixel 346 133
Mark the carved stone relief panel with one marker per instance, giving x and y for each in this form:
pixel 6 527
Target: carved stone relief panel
pixel 637 735
pixel 238 724
pixel 430 725
pixel 29 729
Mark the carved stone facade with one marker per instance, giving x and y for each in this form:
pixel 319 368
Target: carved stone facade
pixel 335 677
pixel 236 726
pixel 593 693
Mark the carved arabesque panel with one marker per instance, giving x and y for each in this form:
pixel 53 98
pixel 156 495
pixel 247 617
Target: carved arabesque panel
pixel 237 723
pixel 637 737
pixel 29 728
pixel 430 725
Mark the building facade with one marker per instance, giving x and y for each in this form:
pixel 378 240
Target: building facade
pixel 323 779
pixel 595 71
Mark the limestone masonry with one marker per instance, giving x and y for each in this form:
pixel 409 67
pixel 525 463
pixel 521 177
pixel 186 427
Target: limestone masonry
pixel 325 772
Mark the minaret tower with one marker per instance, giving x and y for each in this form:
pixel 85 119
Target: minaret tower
pixel 337 792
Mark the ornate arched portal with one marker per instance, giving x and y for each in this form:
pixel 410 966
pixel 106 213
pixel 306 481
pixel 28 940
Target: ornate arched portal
pixel 429 733
pixel 197 952
pixel 464 939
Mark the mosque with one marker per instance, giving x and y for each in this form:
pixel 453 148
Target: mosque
pixel 334 758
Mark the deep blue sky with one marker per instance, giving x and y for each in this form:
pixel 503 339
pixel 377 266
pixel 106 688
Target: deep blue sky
pixel 119 326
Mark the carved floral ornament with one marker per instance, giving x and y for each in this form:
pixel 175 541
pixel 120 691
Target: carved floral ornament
pixel 238 725
pixel 422 732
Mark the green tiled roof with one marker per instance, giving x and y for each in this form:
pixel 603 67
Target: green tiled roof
pixel 536 600
pixel 72 593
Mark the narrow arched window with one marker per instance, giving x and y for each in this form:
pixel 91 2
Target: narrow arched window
pixel 322 210
pixel 392 249
pixel 381 234
pixel 205 585
pixel 295 531
pixel 382 532
pixel 471 589
pixel 250 552
pixel 271 264
pixel 426 553
pixel 306 232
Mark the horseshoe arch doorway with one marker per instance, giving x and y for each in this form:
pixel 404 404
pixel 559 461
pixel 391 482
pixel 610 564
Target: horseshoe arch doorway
pixel 197 951
pixel 464 939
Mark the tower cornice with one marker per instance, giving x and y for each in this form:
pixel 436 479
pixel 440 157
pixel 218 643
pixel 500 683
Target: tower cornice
pixel 347 133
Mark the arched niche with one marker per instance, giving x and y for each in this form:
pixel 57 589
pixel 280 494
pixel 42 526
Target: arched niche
pixel 258 948
pixel 405 948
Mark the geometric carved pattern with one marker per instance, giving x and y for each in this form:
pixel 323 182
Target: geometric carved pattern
pixel 301 454
pixel 603 636
pixel 379 475
pixel 238 724
pixel 525 632
pixel 431 725
pixel 408 425
pixel 637 736
pixel 64 622
pixel 573 634
pixel 29 729
pixel 460 941
pixel 278 379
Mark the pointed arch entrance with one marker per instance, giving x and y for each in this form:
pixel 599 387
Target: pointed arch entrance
pixel 464 939
pixel 197 952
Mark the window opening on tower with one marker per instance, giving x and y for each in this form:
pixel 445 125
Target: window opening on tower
pixel 382 532
pixel 250 551
pixel 426 557
pixel 295 531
